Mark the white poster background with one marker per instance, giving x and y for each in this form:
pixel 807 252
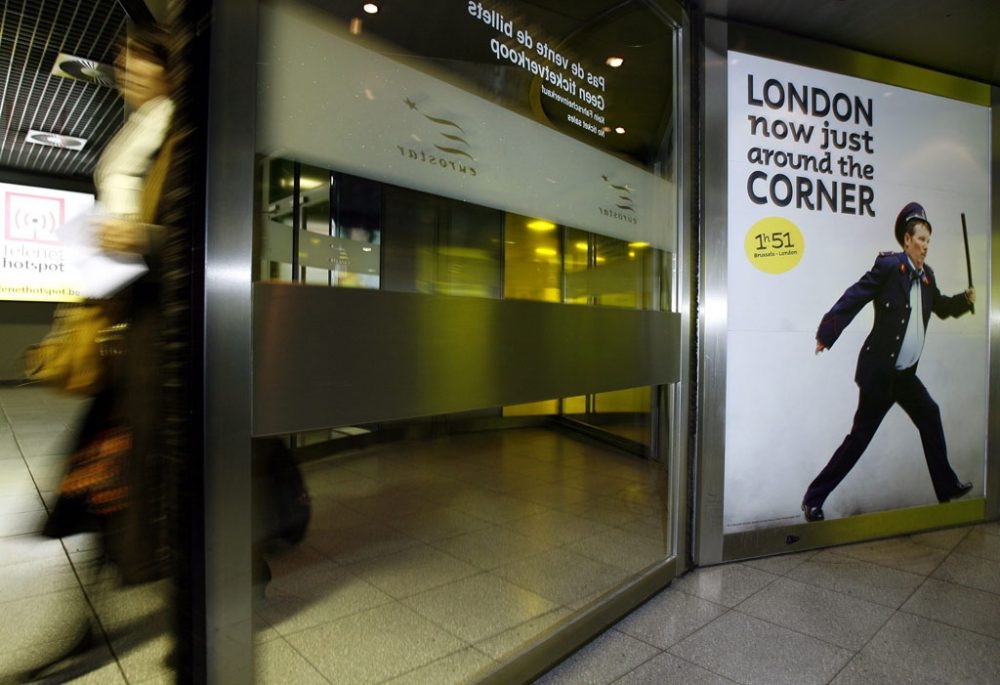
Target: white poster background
pixel 788 409
pixel 35 263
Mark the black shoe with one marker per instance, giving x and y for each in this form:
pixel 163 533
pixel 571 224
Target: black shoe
pixel 813 513
pixel 961 490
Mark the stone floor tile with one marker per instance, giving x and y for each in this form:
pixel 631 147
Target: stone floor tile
pixel 604 660
pixel 845 621
pixel 561 575
pixel 939 651
pixel 868 669
pixel 669 617
pixel 940 539
pixel 499 646
pixel 979 543
pixel 728 584
pixel 897 553
pixel 491 547
pixel 315 595
pixel 857 578
pixel 631 553
pixel 781 564
pixel 974 572
pixel 278 662
pixel 957 606
pixel 412 571
pixel 755 652
pixel 479 607
pixel 460 667
pixel 392 639
pixel 666 669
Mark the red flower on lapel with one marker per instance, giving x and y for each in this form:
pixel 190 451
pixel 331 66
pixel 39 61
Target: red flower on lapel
pixel 902 268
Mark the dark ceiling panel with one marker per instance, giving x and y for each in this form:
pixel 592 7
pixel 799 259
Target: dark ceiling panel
pixel 958 37
pixel 32 33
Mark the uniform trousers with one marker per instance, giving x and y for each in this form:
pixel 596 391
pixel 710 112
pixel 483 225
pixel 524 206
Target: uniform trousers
pixel 906 390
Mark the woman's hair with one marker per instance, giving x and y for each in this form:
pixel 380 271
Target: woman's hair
pixel 151 41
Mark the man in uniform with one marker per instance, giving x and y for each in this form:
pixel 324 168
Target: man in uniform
pixel 904 292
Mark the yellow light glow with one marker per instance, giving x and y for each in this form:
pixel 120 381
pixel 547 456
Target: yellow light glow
pixel 581 246
pixel 370 8
pixel 355 26
pixel 601 260
pixel 541 225
pixel 546 251
pixel 614 61
pixel 305 183
pixel 639 244
pixel 631 254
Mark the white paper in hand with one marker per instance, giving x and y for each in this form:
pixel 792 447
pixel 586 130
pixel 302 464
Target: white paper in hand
pixel 95 273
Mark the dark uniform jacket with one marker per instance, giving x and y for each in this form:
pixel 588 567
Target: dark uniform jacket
pixel 887 285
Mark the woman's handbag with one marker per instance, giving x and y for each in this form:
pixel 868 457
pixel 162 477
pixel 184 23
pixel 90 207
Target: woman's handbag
pixel 74 355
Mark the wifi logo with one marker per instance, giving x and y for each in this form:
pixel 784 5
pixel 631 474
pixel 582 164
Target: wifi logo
pixel 33 218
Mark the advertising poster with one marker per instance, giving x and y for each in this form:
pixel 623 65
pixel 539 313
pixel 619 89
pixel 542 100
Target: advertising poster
pixel 820 167
pixel 35 264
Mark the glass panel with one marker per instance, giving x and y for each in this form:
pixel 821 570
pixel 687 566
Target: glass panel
pixel 444 544
pixel 532 259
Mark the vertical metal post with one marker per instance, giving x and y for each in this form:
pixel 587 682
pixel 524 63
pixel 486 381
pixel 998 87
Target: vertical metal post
pixel 296 219
pixel 230 133
pixel 993 312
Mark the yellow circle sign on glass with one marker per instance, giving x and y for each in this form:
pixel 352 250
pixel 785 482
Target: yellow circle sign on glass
pixel 774 245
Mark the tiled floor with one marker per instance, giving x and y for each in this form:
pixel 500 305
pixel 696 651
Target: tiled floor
pixel 914 610
pixel 50 589
pixel 427 562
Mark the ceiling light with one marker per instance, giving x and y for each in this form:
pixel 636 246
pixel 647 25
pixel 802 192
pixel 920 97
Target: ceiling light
pixel 54 140
pixel 83 69
pixel 582 246
pixel 541 225
pixel 614 62
pixel 639 244
pixel 546 251
pixel 619 130
pixel 370 8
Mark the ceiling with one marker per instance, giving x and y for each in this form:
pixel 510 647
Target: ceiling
pixel 32 33
pixel 960 37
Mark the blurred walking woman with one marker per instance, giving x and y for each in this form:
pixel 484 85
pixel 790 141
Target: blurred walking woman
pixel 115 476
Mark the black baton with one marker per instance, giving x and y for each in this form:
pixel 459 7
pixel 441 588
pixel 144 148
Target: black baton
pixel 968 264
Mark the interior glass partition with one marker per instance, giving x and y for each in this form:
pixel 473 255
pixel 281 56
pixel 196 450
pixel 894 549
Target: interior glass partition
pixel 463 331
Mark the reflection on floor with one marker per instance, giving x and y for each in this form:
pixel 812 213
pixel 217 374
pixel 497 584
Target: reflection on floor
pixel 915 610
pixel 50 589
pixel 427 561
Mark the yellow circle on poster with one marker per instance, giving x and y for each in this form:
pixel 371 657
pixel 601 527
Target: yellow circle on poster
pixel 774 245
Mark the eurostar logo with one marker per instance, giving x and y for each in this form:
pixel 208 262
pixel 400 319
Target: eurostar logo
pixel 625 201
pixel 624 205
pixel 450 139
pixel 447 131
